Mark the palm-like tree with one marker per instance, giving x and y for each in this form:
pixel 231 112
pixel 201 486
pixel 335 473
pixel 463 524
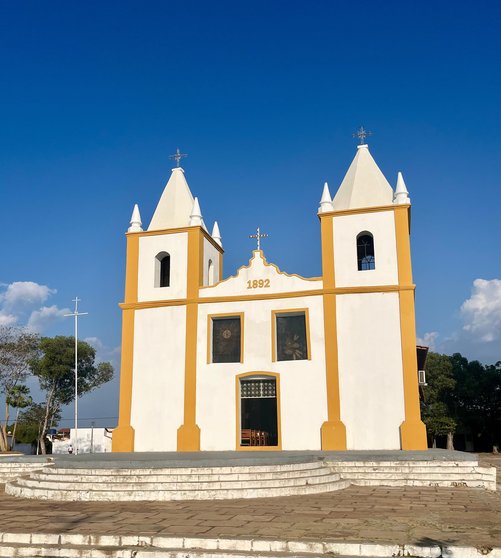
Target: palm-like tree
pixel 18 398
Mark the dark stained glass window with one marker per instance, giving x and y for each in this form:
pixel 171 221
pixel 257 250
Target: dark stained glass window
pixel 291 337
pixel 226 339
pixel 365 252
pixel 165 271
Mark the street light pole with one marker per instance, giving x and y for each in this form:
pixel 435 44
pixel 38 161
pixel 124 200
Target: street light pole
pixel 76 313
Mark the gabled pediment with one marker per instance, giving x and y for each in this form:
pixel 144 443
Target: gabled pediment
pixel 260 278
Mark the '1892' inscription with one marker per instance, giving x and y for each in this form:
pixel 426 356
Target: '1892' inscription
pixel 258 283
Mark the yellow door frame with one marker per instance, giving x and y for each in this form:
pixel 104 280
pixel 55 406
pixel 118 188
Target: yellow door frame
pixel 257 374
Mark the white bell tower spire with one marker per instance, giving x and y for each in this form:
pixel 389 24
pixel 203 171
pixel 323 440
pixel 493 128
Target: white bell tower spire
pixel 135 220
pixel 326 200
pixel 401 192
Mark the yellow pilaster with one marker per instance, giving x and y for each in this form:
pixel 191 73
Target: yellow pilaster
pixel 188 434
pixel 123 435
pixel 412 430
pixel 333 431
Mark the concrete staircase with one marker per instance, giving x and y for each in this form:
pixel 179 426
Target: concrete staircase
pixel 179 483
pixel 15 469
pixel 416 473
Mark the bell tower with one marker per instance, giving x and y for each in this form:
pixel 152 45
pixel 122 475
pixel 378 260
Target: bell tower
pixel 166 266
pixel 372 383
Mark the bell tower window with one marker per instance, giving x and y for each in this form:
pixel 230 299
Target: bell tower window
pixel 365 251
pixel 162 270
pixel 210 273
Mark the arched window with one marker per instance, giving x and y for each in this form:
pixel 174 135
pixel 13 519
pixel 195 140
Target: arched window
pixel 210 273
pixel 365 251
pixel 162 270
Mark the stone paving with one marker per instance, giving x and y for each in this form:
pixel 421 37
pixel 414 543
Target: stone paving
pixel 459 516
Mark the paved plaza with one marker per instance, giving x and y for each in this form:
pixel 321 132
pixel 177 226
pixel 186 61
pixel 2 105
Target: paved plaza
pixel 469 517
pixel 409 515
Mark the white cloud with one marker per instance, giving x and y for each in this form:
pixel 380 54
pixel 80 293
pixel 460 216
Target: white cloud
pixel 7 319
pixel 25 293
pixel 481 312
pixel 105 353
pixel 429 339
pixel 45 316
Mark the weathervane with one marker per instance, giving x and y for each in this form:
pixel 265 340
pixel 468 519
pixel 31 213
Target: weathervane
pixel 361 134
pixel 178 156
pixel 258 236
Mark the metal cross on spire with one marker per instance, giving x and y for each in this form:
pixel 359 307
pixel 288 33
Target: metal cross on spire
pixel 258 236
pixel 361 134
pixel 178 156
pixel 76 314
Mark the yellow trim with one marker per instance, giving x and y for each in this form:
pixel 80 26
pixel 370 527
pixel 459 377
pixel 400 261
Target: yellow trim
pixel 292 311
pixel 188 434
pixel 131 269
pixel 220 278
pixel 333 431
pixel 292 294
pixel 412 429
pixel 201 266
pixel 123 435
pixel 177 230
pixel 359 210
pixel 209 334
pixel 239 447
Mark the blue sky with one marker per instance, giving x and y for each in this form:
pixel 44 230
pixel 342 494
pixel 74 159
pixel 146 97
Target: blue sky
pixel 264 97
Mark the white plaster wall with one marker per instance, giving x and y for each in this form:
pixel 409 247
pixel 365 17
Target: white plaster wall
pixel 382 227
pixel 210 253
pixel 370 369
pixel 90 440
pixel 158 377
pixel 302 382
pixel 176 245
pixel 259 269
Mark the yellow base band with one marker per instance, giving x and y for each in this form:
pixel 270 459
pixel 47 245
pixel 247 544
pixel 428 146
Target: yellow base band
pixel 413 435
pixel 123 439
pixel 333 435
pixel 188 437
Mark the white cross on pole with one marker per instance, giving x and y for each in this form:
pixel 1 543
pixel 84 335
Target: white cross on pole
pixel 76 313
pixel 258 236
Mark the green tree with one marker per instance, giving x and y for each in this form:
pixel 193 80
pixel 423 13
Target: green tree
pixel 437 395
pixel 18 398
pixel 31 424
pixel 477 400
pixel 55 369
pixel 17 348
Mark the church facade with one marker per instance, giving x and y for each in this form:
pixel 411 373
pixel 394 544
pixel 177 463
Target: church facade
pixel 265 360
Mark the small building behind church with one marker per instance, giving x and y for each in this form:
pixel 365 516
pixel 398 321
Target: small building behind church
pixel 267 360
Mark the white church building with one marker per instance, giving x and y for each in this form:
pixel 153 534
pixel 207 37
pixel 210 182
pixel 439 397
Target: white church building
pixel 266 360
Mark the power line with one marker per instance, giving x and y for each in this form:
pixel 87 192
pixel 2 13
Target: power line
pixel 89 418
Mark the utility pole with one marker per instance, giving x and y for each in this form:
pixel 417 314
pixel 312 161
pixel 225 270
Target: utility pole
pixel 76 314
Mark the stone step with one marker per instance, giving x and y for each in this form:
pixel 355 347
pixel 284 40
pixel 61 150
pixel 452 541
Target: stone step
pixel 404 469
pixel 427 464
pixel 471 483
pixel 23 465
pixel 16 488
pixel 117 476
pixel 76 545
pixel 253 469
pixel 415 475
pixel 431 463
pixel 168 484
pixel 9 473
